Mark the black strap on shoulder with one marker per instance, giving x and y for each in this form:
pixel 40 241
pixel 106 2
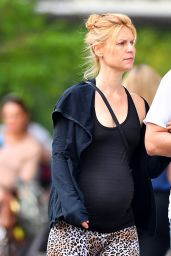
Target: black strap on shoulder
pixel 146 106
pixel 124 139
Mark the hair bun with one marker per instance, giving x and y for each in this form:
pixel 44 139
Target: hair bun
pixel 91 21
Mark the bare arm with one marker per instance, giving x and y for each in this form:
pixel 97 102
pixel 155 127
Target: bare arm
pixel 158 140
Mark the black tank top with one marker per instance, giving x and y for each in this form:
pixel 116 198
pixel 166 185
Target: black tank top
pixel 105 178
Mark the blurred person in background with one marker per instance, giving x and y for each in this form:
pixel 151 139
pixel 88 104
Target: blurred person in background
pixel 20 153
pixel 21 157
pixel 37 131
pixel 144 81
pixel 43 136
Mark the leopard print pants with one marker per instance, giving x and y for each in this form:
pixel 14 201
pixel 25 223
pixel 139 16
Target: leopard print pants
pixel 67 240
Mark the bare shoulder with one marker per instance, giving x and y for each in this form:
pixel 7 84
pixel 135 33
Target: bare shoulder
pixel 140 106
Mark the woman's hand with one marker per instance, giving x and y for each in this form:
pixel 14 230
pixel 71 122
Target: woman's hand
pixel 85 224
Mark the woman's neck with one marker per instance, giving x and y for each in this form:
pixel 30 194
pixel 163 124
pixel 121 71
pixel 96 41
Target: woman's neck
pixel 109 82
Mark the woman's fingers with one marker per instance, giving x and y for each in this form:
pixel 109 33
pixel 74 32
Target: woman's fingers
pixel 85 224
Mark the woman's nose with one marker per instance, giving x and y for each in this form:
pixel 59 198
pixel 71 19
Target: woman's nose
pixel 130 47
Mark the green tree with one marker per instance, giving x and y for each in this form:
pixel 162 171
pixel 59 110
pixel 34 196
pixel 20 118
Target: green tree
pixel 38 59
pixel 154 47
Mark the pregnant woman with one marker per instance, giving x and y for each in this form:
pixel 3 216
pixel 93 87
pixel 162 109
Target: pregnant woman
pixel 96 201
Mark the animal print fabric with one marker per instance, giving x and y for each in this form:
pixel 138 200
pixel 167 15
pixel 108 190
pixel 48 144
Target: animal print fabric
pixel 67 240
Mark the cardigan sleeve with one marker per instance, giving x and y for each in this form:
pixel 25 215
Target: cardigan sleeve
pixel 72 206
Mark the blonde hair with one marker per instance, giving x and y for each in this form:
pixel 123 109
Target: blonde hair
pixel 142 80
pixel 100 27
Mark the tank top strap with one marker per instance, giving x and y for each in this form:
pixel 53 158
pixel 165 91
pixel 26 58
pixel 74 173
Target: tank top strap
pixel 131 106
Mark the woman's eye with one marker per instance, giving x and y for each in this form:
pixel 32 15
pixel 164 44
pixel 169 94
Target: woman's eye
pixel 124 43
pixel 121 43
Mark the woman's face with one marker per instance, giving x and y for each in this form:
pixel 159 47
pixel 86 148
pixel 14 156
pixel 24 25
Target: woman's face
pixel 14 117
pixel 119 53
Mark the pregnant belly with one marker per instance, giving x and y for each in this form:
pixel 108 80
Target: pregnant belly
pixel 108 197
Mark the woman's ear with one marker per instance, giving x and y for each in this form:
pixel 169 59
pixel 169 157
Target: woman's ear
pixel 98 50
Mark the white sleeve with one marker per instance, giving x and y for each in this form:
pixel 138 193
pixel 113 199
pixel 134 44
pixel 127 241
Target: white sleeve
pixel 160 110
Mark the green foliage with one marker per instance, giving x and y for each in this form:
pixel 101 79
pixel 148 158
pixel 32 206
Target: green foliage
pixel 153 48
pixel 40 58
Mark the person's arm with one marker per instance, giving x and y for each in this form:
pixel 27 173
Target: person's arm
pixel 157 140
pixel 72 206
pixel 154 165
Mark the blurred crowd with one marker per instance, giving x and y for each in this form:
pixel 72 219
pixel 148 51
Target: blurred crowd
pixel 25 151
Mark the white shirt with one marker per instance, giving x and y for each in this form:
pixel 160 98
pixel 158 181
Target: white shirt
pixel 160 110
